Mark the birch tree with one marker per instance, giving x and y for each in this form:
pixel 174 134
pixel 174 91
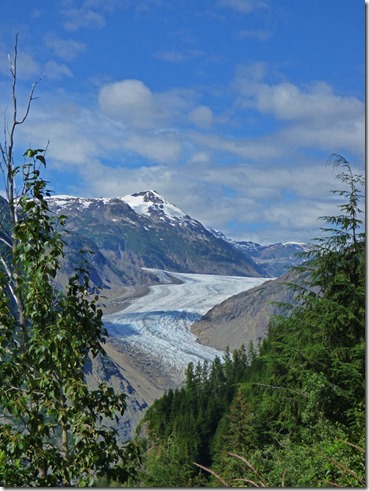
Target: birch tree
pixel 53 429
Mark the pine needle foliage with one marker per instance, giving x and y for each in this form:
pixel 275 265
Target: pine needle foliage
pixel 295 414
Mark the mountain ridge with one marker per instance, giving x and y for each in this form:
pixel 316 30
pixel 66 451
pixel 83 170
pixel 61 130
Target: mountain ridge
pixel 152 233
pixel 144 230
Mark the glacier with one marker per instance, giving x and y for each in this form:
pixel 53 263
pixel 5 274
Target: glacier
pixel 158 324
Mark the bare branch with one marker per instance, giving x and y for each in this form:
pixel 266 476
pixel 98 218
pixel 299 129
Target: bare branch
pixel 7 270
pixel 213 473
pixel 262 481
pixel 361 449
pixel 8 148
pixel 248 481
pixel 4 241
pixel 283 476
pixel 30 99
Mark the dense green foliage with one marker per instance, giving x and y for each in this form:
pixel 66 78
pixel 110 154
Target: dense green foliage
pixel 184 421
pixel 294 414
pixel 53 429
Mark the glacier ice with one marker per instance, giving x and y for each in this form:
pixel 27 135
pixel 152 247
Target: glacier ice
pixel 159 323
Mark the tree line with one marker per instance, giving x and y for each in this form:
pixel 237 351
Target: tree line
pixel 292 412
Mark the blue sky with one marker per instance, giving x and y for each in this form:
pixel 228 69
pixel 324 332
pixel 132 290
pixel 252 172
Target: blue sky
pixel 228 108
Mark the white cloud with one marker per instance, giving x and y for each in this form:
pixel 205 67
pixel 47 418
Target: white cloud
pixel 252 149
pixel 27 67
pixel 199 158
pixel 202 116
pixel 70 147
pixel 314 116
pixel 179 56
pixel 339 135
pixel 57 71
pixel 83 17
pixel 288 102
pixel 176 103
pixel 260 34
pixel 68 49
pixel 131 102
pixel 89 13
pixel 242 6
pixel 164 148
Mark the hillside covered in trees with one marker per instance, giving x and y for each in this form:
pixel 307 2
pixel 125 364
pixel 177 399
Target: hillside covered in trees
pixel 291 412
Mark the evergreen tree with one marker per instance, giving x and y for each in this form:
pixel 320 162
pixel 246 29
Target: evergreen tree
pixel 292 412
pixel 238 437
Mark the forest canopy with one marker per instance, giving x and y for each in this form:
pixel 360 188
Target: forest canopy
pixel 291 412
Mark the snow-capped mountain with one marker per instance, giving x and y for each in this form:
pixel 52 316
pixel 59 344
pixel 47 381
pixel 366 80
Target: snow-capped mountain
pixel 143 230
pixel 150 202
pixel 145 203
pixel 276 258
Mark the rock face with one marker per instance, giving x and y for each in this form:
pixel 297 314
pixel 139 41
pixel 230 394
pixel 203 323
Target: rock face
pixel 245 317
pixel 275 259
pixel 143 230
pixel 140 231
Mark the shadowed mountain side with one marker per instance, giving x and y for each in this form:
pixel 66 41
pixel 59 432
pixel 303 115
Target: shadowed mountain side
pixel 120 372
pixel 147 233
pixel 245 317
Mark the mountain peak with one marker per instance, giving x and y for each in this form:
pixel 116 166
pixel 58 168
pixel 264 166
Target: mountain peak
pixel 150 196
pixel 149 202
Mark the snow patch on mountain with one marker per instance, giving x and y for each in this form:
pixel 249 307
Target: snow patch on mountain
pixel 147 202
pixel 64 201
pixel 144 203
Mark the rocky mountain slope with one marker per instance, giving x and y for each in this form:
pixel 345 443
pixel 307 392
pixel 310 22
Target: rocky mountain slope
pixel 245 317
pixel 140 231
pixel 276 259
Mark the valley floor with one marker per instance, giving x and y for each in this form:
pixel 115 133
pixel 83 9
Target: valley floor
pixel 157 325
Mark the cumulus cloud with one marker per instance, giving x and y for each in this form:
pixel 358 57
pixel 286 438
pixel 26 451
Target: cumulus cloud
pixel 202 116
pixel 288 102
pixel 131 102
pixel 314 115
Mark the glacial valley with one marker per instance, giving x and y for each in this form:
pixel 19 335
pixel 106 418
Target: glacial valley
pixel 150 341
pixel 159 322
